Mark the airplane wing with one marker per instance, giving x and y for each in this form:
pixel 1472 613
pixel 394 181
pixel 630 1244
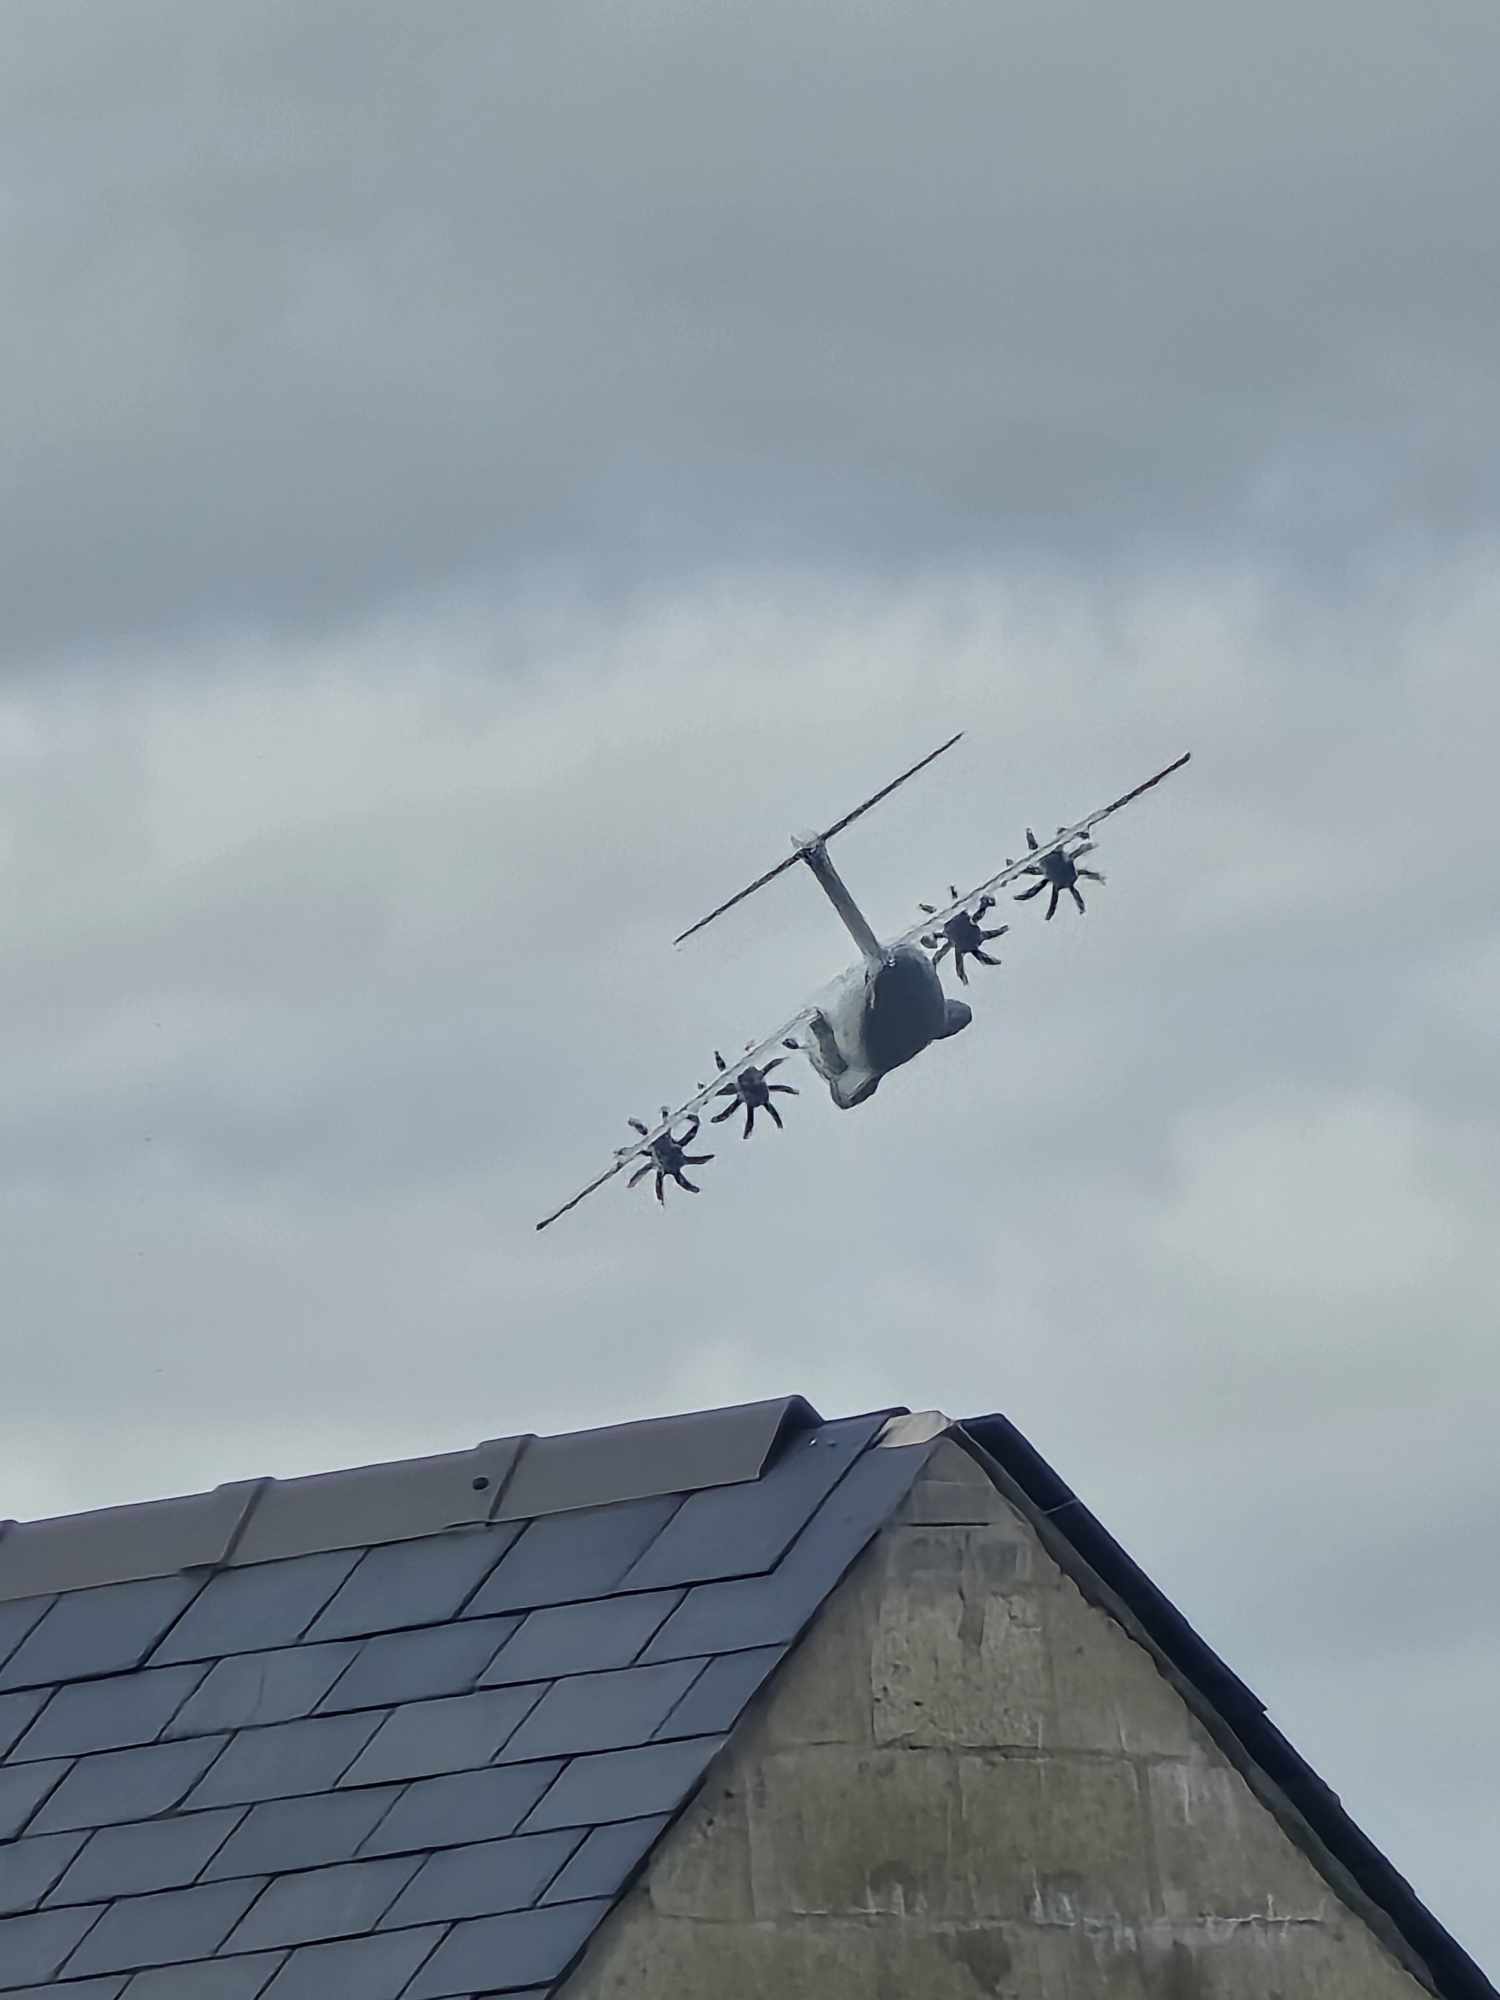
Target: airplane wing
pixel 1013 870
pixel 757 1054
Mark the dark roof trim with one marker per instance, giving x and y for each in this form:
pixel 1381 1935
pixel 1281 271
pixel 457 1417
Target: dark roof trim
pixel 1419 1940
pixel 505 1479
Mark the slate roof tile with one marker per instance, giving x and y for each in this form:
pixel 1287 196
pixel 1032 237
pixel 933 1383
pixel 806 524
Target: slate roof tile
pixel 601 1711
pixel 481 1881
pixel 467 1806
pixel 715 1699
pixel 564 1558
pixel 32 1948
pixel 18 1711
pixel 606 1859
pixel 428 1737
pixel 768 1610
pixel 120 1785
pixel 205 1979
pixel 301 1833
pixel 581 1638
pixel 249 1689
pixel 623 1784
pixel 284 1761
pixel 109 1714
pixel 742 1530
pixel 109 1988
pixel 420 1582
pixel 22 1789
pixel 531 1946
pixel 106 1630
pixel 264 1605
pixel 415 1666
pixel 28 1869
pixel 162 1929
pixel 135 1859
pixel 368 1968
pixel 346 1901
pixel 17 1617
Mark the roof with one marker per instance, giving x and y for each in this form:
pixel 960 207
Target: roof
pixel 408 1731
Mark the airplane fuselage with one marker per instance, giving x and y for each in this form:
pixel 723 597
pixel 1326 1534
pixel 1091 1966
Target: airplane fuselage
pixel 881 1012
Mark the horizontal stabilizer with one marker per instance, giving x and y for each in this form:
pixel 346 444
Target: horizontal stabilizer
pixel 820 839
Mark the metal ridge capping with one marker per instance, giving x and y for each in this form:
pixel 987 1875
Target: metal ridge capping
pixel 503 1479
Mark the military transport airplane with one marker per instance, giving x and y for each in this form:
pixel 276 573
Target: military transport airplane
pixel 885 1009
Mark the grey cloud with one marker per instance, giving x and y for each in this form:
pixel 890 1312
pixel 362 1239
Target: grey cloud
pixel 318 305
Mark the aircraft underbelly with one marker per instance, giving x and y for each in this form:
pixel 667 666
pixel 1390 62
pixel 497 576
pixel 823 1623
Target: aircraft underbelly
pixel 904 1011
pixel 880 1019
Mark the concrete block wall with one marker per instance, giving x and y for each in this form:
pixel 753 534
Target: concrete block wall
pixel 971 1784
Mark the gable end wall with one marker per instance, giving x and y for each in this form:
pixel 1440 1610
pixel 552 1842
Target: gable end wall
pixel 970 1784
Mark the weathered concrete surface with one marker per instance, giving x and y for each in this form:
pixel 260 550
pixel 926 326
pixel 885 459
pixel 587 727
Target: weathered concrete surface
pixel 971 1784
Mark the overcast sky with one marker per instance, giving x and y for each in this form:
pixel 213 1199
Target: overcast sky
pixel 476 479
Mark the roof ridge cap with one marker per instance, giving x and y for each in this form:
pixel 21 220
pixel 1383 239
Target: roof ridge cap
pixel 500 1479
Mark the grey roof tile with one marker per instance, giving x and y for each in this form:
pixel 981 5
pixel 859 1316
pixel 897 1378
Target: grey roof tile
pixel 163 1929
pixel 581 1638
pixel 126 1784
pixel 414 1666
pixel 751 1612
pixel 768 1610
pixel 413 1583
pixel 606 1860
pixel 109 1714
pixel 17 1617
pixel 345 1901
pixel 301 1833
pixel 428 1737
pixel 623 1784
pixel 17 1712
pixel 368 1968
pixel 264 1605
pixel 108 1988
pixel 601 1711
pixel 715 1699
pixel 32 1948
pixel 491 1952
pixel 103 1631
pixel 285 1761
pixel 564 1558
pixel 205 1979
pixel 741 1530
pixel 22 1789
pixel 468 1806
pixel 481 1881
pixel 252 1689
pixel 136 1859
pixel 28 1868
